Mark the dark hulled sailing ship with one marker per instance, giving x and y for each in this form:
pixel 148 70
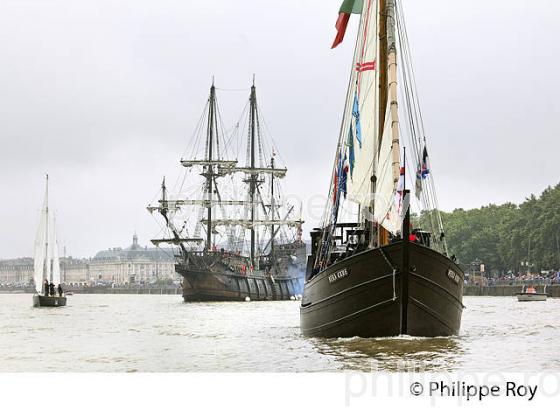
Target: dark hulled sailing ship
pixel 371 273
pixel 236 237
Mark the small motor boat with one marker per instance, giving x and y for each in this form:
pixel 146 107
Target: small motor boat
pixel 531 295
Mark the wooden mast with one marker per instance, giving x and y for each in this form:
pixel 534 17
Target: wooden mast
pixel 210 170
pixel 253 178
pixel 272 207
pixel 392 80
pixel 388 92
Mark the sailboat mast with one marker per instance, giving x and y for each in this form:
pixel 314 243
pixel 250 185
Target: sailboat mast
pixel 392 66
pixel 272 207
pixel 253 179
pixel 64 272
pixel 47 258
pixel 210 170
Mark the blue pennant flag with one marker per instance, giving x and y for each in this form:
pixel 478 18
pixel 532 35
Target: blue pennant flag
pixel 351 156
pixel 356 115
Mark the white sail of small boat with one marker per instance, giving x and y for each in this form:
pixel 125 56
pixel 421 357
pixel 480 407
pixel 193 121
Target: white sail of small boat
pixel 55 277
pixel 41 244
pixel 46 264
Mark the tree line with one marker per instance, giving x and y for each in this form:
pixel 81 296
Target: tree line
pixel 509 237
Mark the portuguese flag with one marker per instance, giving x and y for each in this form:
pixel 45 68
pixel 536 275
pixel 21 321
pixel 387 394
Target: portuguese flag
pixel 348 7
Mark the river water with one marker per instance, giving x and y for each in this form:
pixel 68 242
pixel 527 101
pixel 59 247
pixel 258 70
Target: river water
pixel 145 333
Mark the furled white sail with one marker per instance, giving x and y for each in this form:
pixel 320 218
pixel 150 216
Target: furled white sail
pixel 360 125
pixel 386 209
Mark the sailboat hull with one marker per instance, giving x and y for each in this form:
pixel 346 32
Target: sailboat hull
pixel 207 286
pixel 49 301
pixel 362 295
pixel 223 276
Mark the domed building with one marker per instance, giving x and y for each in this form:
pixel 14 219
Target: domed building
pixel 134 264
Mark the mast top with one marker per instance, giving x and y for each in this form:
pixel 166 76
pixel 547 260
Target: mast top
pixel 46 205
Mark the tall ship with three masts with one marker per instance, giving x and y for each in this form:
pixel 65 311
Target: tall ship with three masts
pixel 372 272
pixel 235 235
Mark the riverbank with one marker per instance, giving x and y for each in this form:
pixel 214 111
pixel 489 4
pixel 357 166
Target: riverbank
pixel 509 290
pixel 469 290
pixel 98 290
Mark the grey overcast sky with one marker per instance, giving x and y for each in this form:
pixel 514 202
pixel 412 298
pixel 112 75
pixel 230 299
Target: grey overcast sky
pixel 104 95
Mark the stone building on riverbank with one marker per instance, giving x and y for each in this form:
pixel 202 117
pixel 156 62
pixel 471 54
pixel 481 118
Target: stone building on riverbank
pixel 134 264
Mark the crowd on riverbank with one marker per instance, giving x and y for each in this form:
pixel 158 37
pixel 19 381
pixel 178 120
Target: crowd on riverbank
pixel 511 279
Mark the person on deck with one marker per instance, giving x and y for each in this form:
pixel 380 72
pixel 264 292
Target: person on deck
pixel 46 287
pixel 51 289
pixel 59 290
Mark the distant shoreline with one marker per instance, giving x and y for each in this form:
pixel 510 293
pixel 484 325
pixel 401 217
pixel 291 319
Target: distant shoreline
pixel 469 290
pixel 105 290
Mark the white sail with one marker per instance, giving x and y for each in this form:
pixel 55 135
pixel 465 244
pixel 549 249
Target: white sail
pixel 48 250
pixel 39 254
pixel 54 256
pixel 360 117
pixel 386 209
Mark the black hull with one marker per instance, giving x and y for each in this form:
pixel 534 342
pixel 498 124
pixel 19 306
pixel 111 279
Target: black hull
pixel 49 301
pixel 206 286
pixel 362 295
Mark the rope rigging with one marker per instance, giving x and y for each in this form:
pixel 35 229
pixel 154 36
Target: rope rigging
pixel 228 185
pixel 410 131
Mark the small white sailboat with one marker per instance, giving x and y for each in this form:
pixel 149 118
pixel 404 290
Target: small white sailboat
pixel 46 263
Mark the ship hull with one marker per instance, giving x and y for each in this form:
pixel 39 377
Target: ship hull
pixel 207 286
pixel 363 295
pixel 531 297
pixel 49 301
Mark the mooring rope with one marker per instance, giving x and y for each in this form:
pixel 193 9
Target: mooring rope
pixel 394 272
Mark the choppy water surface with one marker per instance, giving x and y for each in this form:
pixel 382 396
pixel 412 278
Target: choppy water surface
pixel 128 333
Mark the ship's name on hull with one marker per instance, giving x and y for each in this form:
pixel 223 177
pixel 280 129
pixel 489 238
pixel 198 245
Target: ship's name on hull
pixel 453 276
pixel 333 277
